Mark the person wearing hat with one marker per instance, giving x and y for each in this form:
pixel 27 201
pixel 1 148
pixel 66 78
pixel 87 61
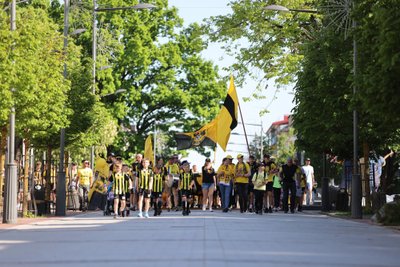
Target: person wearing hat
pixel 225 174
pixel 308 171
pixel 242 174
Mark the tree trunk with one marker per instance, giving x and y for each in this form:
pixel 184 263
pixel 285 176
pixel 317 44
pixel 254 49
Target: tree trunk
pixel 26 179
pixel 366 175
pixel 3 143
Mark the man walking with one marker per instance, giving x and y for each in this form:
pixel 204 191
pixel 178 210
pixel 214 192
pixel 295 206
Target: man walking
pixel 308 171
pixel 288 172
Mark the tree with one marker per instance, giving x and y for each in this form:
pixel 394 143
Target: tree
pixel 263 41
pixel 158 62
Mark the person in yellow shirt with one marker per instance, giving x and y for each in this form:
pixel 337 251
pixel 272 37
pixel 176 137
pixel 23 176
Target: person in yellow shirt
pixel 186 183
pixel 173 171
pixel 120 186
pixel 84 181
pixel 158 184
pixel 145 186
pixel 271 169
pixel 225 174
pixel 242 174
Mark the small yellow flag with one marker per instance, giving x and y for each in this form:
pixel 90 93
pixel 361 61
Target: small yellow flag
pixel 148 149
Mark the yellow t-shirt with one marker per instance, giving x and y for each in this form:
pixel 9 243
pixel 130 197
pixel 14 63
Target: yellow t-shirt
pixel 172 168
pixel 242 168
pixel 85 176
pixel 272 170
pixel 228 174
pixel 259 180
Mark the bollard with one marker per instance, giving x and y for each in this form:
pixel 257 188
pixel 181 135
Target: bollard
pixel 326 206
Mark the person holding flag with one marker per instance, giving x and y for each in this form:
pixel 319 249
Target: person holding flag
pixel 242 174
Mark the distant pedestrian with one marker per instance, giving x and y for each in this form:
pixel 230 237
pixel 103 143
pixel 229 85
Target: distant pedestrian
pixel 308 171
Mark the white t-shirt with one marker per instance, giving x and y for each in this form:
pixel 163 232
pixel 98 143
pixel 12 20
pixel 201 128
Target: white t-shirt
pixel 308 171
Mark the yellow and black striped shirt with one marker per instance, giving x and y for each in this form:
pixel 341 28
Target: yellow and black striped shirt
pixel 158 183
pixel 185 180
pixel 145 176
pixel 120 184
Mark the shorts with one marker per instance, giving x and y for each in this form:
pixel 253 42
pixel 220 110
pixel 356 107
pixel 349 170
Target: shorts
pixel 156 195
pixel 119 196
pixel 186 193
pixel 128 195
pixel 206 186
pixel 145 193
pixel 269 186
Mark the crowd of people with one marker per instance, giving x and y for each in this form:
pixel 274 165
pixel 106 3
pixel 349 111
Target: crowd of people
pixel 249 186
pixel 253 186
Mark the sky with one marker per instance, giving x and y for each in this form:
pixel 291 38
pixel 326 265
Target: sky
pixel 196 11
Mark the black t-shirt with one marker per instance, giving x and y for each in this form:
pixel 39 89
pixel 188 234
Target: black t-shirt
pixel 208 175
pixel 288 173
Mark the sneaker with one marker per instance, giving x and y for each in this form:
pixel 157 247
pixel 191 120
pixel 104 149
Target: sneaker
pixel 159 212
pixel 146 215
pixel 270 210
pixel 292 211
pixel 204 208
pixel 211 210
pixel 140 215
pixel 115 216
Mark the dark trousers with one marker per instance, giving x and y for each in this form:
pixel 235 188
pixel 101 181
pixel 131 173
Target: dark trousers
pixel 242 192
pixel 289 186
pixel 277 197
pixel 259 196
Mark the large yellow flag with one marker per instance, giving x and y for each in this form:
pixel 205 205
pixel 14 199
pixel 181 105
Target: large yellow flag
pixel 148 149
pixel 218 130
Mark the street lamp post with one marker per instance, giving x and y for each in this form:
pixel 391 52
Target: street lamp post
pixel 94 45
pixel 10 192
pixel 60 189
pixel 356 192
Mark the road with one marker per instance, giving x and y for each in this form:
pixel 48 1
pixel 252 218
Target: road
pixel 201 239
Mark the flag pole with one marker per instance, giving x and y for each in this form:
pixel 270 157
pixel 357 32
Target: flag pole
pixel 244 128
pixel 215 154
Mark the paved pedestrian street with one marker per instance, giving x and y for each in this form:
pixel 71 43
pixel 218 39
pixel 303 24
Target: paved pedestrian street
pixel 201 239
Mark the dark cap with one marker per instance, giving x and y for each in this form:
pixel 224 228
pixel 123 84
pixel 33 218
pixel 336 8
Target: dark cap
pixel 267 156
pixel 208 160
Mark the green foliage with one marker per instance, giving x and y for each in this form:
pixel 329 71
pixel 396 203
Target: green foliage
pixel 39 89
pixel 323 96
pixel 285 146
pixel 324 90
pixel 263 41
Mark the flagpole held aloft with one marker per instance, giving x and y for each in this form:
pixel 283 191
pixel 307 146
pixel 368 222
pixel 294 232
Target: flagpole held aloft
pixel 244 128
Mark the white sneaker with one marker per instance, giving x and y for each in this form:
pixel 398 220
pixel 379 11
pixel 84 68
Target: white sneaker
pixel 140 215
pixel 211 209
pixel 204 208
pixel 146 215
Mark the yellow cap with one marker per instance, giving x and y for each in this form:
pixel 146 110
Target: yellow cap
pixel 239 156
pixel 229 157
